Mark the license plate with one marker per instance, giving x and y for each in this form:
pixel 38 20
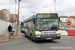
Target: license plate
pixel 48 38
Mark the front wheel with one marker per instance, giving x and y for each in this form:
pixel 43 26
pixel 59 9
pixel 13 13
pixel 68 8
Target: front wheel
pixel 51 40
pixel 34 40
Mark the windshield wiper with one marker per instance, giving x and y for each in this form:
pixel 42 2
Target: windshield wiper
pixel 54 28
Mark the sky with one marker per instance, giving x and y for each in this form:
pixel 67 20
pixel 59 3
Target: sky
pixel 27 7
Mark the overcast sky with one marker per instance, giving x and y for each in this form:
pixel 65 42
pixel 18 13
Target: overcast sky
pixel 27 7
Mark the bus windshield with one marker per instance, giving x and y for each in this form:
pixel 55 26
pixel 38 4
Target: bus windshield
pixel 47 24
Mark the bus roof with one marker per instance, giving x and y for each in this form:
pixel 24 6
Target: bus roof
pixel 35 16
pixel 46 13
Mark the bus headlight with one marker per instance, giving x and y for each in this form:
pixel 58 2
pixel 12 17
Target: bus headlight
pixel 37 33
pixel 37 36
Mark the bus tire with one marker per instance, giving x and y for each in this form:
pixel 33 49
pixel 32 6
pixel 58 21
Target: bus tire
pixel 51 40
pixel 34 40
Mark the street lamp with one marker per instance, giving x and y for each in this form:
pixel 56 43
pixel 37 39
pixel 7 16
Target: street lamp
pixel 18 12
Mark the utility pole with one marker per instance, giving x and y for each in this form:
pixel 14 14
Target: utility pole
pixel 18 12
pixel 15 13
pixel 55 5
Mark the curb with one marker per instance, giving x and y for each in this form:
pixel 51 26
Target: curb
pixel 7 40
pixel 63 35
pixel 4 41
pixel 14 39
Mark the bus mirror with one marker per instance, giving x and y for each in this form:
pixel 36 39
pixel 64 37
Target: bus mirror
pixel 34 22
pixel 22 24
pixel 59 19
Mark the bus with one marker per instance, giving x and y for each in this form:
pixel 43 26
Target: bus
pixel 42 26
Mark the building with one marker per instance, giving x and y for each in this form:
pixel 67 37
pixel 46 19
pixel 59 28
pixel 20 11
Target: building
pixel 19 22
pixel 63 21
pixel 63 18
pixel 5 14
pixel 72 20
pixel 14 18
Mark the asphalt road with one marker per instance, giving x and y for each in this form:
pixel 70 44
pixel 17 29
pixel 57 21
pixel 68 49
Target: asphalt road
pixel 65 43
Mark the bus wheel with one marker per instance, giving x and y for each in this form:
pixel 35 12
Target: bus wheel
pixel 51 40
pixel 34 40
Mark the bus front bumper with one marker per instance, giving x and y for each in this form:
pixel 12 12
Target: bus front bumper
pixel 48 37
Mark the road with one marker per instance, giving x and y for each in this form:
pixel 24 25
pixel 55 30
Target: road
pixel 65 43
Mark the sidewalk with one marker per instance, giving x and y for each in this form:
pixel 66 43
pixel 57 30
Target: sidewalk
pixel 4 37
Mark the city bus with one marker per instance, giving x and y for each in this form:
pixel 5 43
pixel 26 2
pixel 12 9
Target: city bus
pixel 42 26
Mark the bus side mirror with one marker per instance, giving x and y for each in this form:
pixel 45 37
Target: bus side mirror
pixel 34 22
pixel 22 24
pixel 59 19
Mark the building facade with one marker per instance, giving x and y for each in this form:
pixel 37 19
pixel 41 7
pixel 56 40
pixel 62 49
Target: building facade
pixel 72 20
pixel 63 18
pixel 14 19
pixel 63 21
pixel 5 14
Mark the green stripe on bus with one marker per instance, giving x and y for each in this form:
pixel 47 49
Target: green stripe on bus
pixel 37 26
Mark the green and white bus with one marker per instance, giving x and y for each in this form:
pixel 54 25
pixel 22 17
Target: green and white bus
pixel 42 26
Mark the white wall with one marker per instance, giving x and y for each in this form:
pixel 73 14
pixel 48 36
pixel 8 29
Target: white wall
pixel 3 26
